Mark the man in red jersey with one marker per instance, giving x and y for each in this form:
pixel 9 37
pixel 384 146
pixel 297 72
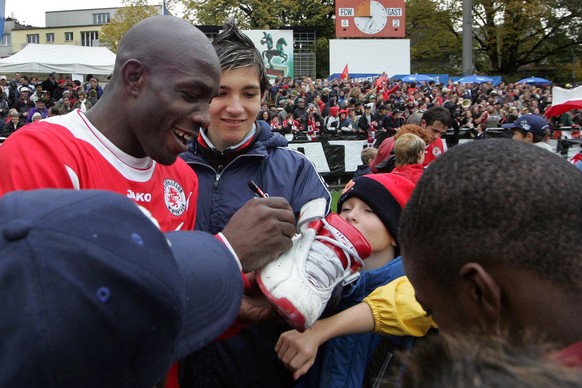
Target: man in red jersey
pixel 156 101
pixel 435 123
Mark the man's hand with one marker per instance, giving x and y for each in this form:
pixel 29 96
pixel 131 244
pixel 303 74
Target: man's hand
pixel 260 231
pixel 255 307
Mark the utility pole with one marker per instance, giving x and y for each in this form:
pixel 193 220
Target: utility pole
pixel 468 64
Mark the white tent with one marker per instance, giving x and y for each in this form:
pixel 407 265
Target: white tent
pixel 46 58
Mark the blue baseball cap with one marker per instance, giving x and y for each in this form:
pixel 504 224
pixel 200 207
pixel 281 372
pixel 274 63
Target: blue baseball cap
pixel 535 124
pixel 93 294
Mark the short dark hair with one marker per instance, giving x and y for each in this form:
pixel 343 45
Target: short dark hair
pixel 496 201
pixel 235 50
pixel 437 113
pixel 536 138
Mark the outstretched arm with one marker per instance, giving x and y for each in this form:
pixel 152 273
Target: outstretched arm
pixel 390 309
pixel 298 350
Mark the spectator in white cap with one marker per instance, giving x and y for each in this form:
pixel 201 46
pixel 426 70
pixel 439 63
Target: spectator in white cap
pixel 23 104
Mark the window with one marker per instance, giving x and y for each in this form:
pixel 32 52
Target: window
pixel 101 18
pixel 32 38
pixel 50 37
pixel 6 41
pixel 90 38
pixel 68 36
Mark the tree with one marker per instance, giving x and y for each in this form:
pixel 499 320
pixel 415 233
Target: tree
pixel 435 45
pixel 129 14
pixel 509 36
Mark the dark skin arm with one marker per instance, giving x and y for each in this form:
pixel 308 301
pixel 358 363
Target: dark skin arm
pixel 260 231
pixel 255 306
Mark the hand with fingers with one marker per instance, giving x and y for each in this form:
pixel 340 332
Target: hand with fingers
pixel 297 351
pixel 260 231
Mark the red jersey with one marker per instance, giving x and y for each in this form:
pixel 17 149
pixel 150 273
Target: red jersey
pixel 433 151
pixel 69 152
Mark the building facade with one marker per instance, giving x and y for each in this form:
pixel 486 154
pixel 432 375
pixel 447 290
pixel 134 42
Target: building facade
pixel 76 27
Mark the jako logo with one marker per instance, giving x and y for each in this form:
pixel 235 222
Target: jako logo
pixel 139 197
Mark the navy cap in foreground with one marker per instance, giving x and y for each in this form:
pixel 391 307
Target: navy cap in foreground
pixel 94 295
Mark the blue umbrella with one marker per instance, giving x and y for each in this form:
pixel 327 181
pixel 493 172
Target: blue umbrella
pixel 534 81
pixel 417 78
pixel 474 79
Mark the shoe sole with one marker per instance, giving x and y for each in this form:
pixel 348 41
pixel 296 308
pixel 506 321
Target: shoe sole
pixel 285 308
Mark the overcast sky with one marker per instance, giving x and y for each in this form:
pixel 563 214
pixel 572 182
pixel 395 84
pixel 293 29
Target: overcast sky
pixel 32 12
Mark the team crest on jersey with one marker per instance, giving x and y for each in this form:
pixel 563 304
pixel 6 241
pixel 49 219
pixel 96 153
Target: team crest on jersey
pixel 436 151
pixel 174 197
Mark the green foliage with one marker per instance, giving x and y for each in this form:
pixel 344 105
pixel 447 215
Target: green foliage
pixel 510 34
pixel 541 37
pixel 132 12
pixel 435 46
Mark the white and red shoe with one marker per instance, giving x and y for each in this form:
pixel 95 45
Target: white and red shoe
pixel 299 283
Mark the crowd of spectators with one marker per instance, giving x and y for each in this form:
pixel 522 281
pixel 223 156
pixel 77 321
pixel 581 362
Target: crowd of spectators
pixel 374 110
pixel 312 110
pixel 25 99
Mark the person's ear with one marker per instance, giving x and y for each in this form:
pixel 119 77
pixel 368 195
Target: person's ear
pixel 133 73
pixel 483 291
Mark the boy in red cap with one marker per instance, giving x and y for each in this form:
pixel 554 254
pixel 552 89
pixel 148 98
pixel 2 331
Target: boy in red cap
pixel 372 204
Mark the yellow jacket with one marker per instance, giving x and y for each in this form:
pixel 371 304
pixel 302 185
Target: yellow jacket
pixel 396 311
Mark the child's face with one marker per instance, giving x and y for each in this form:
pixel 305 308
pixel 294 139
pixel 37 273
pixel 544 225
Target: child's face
pixel 362 217
pixel 234 110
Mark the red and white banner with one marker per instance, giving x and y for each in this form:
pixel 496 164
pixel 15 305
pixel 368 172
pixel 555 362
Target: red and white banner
pixel 564 100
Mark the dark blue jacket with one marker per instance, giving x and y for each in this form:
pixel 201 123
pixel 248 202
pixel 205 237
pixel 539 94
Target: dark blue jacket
pixel 247 359
pixel 276 169
pixel 342 361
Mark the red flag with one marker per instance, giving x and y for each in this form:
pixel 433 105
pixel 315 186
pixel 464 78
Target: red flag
pixel 345 74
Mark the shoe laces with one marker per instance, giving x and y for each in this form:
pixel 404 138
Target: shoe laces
pixel 324 269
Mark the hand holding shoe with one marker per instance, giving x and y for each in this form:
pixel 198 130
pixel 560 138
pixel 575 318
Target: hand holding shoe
pixel 300 282
pixel 260 231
